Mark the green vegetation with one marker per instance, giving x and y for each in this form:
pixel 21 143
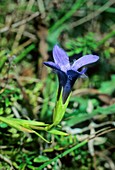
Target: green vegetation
pixel 31 136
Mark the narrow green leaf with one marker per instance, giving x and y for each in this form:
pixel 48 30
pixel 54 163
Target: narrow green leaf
pixel 23 122
pixel 24 53
pixel 57 132
pixel 41 159
pixel 62 155
pixel 78 118
pixel 76 6
pixel 41 136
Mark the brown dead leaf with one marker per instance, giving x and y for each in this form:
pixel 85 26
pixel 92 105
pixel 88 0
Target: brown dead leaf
pixel 107 99
pixel 43 48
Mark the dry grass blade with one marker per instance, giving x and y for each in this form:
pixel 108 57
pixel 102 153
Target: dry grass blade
pixel 92 15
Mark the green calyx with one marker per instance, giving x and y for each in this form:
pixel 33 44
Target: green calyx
pixel 60 109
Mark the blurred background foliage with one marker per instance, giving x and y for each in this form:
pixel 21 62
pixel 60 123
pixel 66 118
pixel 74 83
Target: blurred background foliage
pixel 28 31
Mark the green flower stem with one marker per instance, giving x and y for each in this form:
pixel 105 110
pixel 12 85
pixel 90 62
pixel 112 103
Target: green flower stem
pixel 59 111
pixel 63 154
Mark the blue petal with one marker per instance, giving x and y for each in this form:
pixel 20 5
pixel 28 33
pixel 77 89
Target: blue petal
pixel 52 65
pixel 66 90
pixel 61 58
pixel 73 76
pixel 83 61
pixel 62 78
pixel 83 71
pixel 62 81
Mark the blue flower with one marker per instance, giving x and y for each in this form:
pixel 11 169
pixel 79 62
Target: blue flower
pixel 68 73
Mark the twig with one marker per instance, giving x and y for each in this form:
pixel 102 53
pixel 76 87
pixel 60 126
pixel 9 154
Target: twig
pixel 7 76
pixel 24 21
pixel 110 162
pixel 85 91
pixel 22 27
pixel 41 7
pixel 79 130
pixel 98 133
pixel 73 9
pixel 19 23
pixel 91 142
pixel 108 36
pixel 92 15
pixel 97 126
pixel 6 160
pixel 30 35
pixel 71 149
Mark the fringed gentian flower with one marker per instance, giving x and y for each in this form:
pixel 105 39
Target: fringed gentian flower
pixel 68 73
